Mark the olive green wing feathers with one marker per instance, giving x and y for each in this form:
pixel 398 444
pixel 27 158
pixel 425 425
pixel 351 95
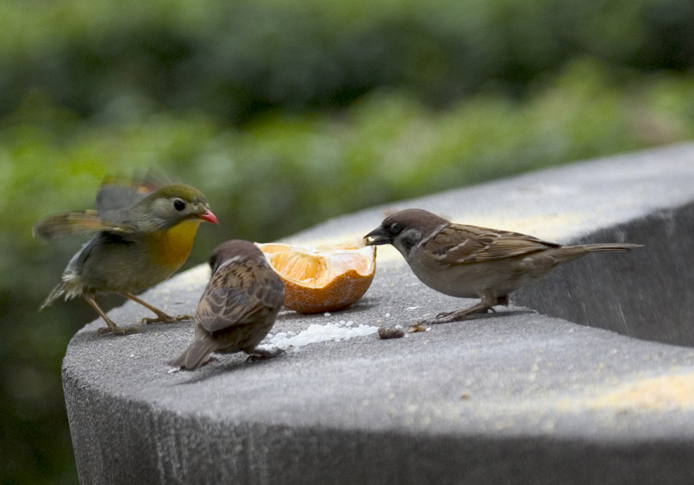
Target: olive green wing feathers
pixel 73 223
pixel 113 201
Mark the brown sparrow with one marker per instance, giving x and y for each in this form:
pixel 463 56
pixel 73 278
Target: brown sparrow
pixel 474 262
pixel 237 308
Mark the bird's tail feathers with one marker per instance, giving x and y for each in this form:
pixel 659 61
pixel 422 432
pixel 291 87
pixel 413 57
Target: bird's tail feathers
pixel 608 247
pixel 55 293
pixel 195 355
pixel 71 286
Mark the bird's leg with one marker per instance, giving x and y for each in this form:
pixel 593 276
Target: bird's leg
pixel 487 303
pixel 478 308
pixel 447 317
pixel 161 316
pixel 261 354
pixel 112 327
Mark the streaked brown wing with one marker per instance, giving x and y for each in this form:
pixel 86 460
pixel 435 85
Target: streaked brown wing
pixel 228 300
pixel 461 244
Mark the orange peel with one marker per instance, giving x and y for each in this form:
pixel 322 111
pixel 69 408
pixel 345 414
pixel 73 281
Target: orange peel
pixel 322 278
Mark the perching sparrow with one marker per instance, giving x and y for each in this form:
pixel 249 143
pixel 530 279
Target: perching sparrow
pixel 237 308
pixel 474 262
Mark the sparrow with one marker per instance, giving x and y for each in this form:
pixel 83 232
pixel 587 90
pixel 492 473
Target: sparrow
pixel 238 307
pixel 474 262
pixel 142 233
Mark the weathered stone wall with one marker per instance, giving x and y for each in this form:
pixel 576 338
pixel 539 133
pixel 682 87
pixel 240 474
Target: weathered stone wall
pixel 582 392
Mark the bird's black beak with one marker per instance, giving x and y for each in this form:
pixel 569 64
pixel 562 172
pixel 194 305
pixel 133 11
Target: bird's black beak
pixel 378 237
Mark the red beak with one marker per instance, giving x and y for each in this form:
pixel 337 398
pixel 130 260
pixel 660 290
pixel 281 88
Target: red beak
pixel 209 217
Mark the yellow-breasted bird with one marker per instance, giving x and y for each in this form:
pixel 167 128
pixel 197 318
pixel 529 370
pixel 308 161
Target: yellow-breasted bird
pixel 143 234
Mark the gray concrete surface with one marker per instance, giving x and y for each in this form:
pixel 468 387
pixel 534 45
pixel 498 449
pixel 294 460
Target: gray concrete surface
pixel 604 394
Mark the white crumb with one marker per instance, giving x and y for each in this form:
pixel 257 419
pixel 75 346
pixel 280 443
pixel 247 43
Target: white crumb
pixel 315 333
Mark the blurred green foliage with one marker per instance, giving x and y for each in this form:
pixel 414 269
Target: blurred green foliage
pixel 285 113
pixel 236 58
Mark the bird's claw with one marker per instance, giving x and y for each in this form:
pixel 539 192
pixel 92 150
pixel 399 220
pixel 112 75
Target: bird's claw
pixel 166 319
pixel 424 323
pixel 116 330
pixel 443 317
pixel 465 314
pixel 264 354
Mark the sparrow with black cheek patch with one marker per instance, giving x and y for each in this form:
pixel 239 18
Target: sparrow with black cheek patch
pixel 474 262
pixel 238 307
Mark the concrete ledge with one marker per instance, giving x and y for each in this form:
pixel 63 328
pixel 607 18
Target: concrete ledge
pixel 516 397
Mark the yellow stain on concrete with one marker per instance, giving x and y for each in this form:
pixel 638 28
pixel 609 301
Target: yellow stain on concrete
pixel 662 393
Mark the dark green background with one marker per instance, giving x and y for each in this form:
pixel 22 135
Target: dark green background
pixel 285 113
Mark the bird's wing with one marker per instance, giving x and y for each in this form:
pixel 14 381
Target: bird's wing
pixel 112 215
pixel 461 244
pixel 229 300
pixel 116 196
pixel 73 223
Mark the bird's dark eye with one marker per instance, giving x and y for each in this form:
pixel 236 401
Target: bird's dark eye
pixel 395 228
pixel 179 205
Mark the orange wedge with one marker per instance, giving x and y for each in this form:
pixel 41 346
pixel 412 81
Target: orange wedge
pixel 323 278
